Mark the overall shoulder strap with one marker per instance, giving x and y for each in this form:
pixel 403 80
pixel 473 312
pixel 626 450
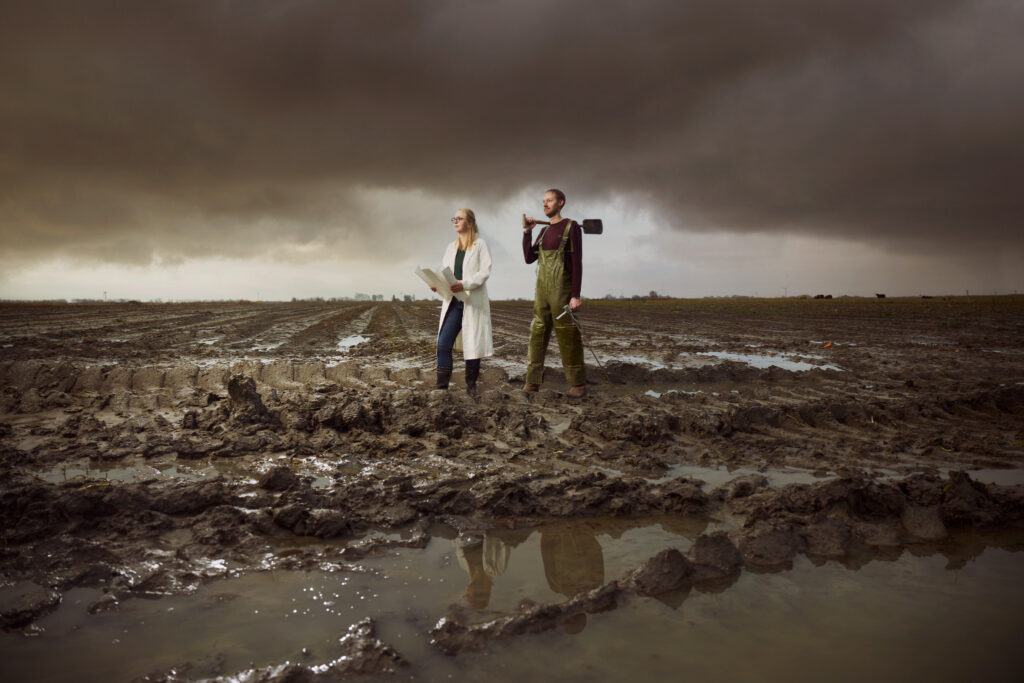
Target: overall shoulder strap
pixel 540 237
pixel 565 235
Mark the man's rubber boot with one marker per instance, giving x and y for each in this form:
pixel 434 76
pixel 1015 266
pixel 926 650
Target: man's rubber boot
pixel 444 376
pixel 578 391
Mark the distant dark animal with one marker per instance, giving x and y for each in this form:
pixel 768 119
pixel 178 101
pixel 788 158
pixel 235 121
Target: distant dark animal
pixel 880 296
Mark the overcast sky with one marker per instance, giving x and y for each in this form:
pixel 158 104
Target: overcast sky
pixel 209 149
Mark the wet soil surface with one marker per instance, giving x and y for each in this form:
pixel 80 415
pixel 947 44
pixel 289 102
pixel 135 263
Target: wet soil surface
pixel 148 450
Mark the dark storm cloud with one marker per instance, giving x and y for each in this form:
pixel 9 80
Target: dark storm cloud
pixel 188 128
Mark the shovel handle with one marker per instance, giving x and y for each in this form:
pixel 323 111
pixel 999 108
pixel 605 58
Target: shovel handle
pixel 537 222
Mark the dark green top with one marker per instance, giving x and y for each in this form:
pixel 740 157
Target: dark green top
pixel 460 255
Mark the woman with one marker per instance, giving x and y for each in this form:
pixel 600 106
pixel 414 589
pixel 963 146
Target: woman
pixel 465 326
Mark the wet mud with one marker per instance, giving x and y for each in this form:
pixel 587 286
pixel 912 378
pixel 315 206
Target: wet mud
pixel 148 450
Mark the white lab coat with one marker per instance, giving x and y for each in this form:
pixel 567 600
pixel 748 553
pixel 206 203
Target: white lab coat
pixel 475 338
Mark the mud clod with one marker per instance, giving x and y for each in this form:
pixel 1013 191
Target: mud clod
pixel 741 487
pixel 365 654
pixel 21 605
pixel 715 557
pixel 667 571
pixel 362 655
pixel 769 545
pixel 279 478
pixel 245 403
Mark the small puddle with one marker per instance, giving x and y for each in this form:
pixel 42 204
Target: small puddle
pixel 266 347
pixel 764 362
pixel 242 469
pixel 711 389
pixel 87 470
pixel 716 476
pixel 347 343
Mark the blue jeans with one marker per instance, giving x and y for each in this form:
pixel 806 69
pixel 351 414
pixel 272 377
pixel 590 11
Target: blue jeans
pixel 450 329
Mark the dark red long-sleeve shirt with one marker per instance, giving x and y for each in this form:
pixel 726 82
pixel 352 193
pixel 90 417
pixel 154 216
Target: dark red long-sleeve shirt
pixel 573 250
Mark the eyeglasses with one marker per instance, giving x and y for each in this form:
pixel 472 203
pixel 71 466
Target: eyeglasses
pixel 457 219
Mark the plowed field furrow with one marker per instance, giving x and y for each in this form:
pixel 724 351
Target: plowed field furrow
pixel 421 316
pixel 272 327
pixel 324 334
pixel 387 328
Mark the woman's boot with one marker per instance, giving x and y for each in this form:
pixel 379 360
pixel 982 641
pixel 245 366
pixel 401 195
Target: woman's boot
pixel 472 375
pixel 444 375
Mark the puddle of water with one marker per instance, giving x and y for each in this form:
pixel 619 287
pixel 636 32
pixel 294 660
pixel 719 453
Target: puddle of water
pixel 716 476
pixel 256 619
pixel 948 617
pixel 764 362
pixel 659 389
pixel 227 362
pixel 756 360
pixel 700 389
pixel 242 469
pixel 322 469
pixel 347 343
pixel 85 469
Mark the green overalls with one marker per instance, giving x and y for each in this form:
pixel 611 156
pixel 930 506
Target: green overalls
pixel 554 288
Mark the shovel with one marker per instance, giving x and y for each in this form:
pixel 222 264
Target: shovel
pixel 591 226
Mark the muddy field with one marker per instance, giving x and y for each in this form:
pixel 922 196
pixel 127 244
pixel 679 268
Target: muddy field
pixel 181 454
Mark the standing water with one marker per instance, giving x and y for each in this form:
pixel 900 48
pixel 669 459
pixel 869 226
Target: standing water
pixel 949 612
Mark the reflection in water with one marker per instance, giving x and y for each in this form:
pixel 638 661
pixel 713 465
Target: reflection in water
pixel 575 555
pixel 571 556
pixel 573 563
pixel 482 560
pixel 952 612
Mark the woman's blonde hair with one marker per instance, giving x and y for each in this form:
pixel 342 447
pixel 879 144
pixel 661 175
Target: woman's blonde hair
pixel 474 231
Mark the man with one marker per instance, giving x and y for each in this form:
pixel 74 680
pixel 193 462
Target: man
pixel 559 249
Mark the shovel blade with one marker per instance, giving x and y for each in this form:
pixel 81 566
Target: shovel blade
pixel 593 226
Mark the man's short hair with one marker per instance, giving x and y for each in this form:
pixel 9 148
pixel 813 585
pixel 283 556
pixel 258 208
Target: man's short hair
pixel 558 194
